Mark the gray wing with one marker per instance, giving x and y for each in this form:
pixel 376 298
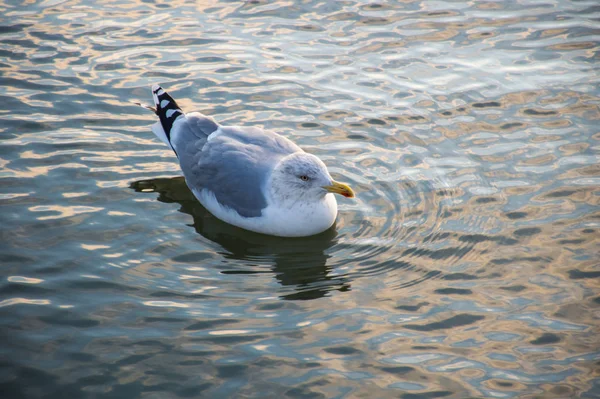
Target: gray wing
pixel 194 129
pixel 235 165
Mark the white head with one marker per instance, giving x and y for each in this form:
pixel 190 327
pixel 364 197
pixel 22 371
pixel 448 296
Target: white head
pixel 304 177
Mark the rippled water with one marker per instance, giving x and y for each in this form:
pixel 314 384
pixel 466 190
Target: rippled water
pixel 466 267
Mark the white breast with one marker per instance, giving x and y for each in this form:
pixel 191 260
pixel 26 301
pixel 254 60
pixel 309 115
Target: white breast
pixel 299 220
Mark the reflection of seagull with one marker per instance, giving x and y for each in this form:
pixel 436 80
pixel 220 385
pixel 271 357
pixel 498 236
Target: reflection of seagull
pixel 248 177
pixel 299 265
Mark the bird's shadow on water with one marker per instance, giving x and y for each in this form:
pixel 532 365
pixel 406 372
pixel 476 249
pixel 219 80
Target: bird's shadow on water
pixel 298 264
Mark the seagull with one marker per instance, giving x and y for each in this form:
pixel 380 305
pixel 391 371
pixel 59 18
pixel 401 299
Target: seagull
pixel 246 176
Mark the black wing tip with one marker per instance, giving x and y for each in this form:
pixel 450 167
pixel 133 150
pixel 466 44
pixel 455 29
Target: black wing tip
pixel 167 109
pixel 161 95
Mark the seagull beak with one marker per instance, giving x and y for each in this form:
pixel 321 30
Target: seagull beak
pixel 340 188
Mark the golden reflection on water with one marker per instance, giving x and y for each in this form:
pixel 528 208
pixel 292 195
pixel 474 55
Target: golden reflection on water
pixel 466 267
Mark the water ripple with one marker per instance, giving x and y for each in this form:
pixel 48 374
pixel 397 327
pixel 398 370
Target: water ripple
pixel 466 266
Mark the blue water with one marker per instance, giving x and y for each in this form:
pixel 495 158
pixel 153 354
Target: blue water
pixel 466 267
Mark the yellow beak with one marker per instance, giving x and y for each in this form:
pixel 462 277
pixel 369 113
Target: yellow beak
pixel 340 188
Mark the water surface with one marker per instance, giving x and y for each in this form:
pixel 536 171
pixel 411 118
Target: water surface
pixel 467 266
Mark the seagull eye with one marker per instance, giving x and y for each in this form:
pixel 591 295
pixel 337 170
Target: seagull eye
pixel 304 178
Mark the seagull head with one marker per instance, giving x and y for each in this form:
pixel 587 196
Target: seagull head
pixel 302 176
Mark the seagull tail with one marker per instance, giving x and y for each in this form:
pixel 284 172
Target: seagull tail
pixel 168 112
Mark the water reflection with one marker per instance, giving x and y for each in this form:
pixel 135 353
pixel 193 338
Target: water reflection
pixel 469 128
pixel 298 264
